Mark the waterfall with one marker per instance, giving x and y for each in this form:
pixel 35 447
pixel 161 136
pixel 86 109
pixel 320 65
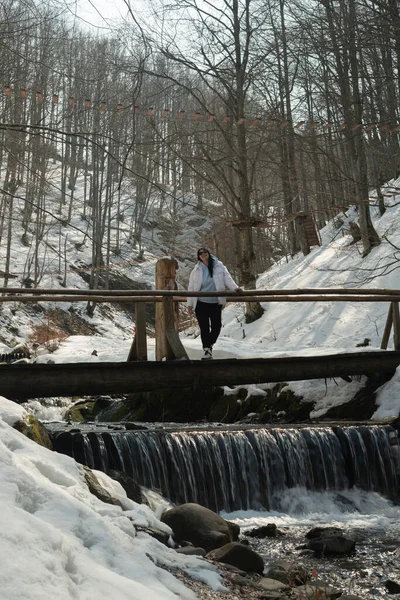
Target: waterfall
pixel 249 469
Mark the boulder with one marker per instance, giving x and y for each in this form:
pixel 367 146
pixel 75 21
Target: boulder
pixel 132 489
pixel 158 534
pixel 269 530
pixel 34 430
pixel 80 412
pixel 393 587
pixel 329 540
pixel 317 532
pixel 287 572
pixel 317 589
pixel 200 526
pixel 273 585
pixel 97 489
pixel 239 556
pixel 191 551
pixel 331 544
pixel 234 530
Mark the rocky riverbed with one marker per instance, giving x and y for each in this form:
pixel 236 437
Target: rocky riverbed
pixel 372 571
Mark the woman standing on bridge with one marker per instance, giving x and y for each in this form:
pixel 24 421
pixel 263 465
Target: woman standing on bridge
pixel 209 275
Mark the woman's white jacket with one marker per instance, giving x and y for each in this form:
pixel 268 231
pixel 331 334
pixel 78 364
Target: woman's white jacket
pixel 221 276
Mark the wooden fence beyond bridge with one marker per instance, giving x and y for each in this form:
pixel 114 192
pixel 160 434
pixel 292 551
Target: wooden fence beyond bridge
pixel 172 367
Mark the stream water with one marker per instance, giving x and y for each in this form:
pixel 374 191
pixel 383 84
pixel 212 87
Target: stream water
pixel 295 477
pixel 367 517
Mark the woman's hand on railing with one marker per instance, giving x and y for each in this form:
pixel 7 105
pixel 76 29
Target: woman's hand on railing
pixel 239 290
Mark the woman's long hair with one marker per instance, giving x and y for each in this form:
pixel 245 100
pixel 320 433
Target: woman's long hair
pixel 211 260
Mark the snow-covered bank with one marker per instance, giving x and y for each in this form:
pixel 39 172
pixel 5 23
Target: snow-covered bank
pixel 57 538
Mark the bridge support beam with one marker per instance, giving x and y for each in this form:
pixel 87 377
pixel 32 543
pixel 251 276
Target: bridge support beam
pixel 22 381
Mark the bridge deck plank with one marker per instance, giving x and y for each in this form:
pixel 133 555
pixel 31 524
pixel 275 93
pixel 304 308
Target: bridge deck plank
pixel 22 381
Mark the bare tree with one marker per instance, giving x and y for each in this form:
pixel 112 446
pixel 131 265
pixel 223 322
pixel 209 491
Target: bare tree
pixel 221 57
pixel 344 36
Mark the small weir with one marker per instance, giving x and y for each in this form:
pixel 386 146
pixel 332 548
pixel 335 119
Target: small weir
pixel 247 469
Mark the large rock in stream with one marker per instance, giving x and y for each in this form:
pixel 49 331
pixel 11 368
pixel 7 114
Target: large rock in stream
pixel 239 556
pixel 200 526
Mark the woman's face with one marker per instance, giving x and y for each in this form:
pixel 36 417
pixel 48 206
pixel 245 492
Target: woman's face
pixel 204 255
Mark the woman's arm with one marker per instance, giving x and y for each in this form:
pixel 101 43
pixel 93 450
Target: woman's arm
pixel 191 288
pixel 229 282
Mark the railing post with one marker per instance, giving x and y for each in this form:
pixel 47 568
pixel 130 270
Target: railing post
pixel 388 327
pixel 396 325
pixel 138 349
pixel 168 344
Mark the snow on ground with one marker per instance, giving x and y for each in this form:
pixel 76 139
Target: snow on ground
pixel 56 537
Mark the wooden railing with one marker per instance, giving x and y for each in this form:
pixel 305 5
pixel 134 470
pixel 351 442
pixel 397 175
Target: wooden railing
pixel 166 297
pixel 167 338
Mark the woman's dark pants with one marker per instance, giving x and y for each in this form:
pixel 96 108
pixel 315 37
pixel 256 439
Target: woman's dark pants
pixel 209 318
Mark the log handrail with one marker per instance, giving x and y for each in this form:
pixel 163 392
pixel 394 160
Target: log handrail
pixel 166 297
pixel 178 297
pixel 306 295
pixel 186 293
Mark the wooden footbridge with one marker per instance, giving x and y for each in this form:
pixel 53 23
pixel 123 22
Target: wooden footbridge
pixel 22 381
pixel 172 367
